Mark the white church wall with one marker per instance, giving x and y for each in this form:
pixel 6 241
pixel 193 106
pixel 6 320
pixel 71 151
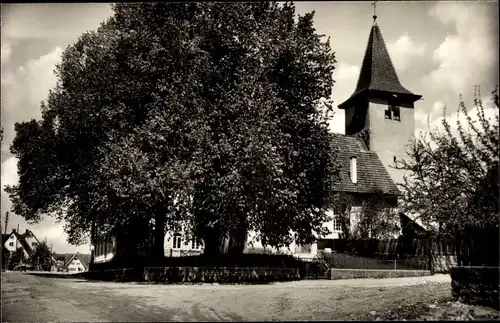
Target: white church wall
pixel 255 246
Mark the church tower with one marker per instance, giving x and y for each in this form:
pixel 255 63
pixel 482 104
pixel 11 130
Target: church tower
pixel 381 110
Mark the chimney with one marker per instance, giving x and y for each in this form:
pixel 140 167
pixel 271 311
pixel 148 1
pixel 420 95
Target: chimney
pixel 354 170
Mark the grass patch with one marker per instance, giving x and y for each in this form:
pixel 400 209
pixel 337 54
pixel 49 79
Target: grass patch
pixel 422 302
pixel 347 261
pixel 374 273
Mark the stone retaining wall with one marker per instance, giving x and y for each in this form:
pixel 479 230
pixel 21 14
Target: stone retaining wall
pixel 375 273
pixel 476 285
pixel 444 263
pixel 219 274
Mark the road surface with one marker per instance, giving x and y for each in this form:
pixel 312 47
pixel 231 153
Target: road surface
pixel 28 298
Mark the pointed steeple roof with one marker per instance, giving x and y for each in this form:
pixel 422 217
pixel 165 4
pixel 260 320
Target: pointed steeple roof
pixel 377 72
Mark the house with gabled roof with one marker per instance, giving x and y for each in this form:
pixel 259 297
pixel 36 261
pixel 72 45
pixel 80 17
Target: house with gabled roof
pixel 72 262
pixel 22 244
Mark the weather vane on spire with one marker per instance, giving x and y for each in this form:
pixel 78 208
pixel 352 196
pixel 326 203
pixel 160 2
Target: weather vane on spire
pixel 374 4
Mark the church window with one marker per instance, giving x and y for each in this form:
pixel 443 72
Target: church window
pixel 195 244
pixel 396 113
pixel 388 113
pixel 177 241
pixel 354 171
pixel 337 225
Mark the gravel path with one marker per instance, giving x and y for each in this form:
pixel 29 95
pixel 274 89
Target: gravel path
pixel 27 298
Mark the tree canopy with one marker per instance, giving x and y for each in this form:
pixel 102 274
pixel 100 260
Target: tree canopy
pixel 452 182
pixel 209 115
pixel 42 255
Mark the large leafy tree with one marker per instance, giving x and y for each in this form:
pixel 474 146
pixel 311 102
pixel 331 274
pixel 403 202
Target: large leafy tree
pixel 202 114
pixel 452 182
pixel 42 255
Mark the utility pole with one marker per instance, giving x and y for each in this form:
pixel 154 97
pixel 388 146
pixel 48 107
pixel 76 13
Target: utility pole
pixel 50 259
pixel 92 245
pixel 6 221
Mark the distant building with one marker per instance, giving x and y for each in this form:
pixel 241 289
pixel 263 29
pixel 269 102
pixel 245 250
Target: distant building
pixel 19 246
pixel 72 262
pixel 176 244
pixel 26 241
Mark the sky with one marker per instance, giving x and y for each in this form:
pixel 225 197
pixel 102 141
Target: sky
pixel 439 49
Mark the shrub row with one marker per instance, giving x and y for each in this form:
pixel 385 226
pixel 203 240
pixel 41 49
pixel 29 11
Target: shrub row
pixel 242 260
pixel 219 274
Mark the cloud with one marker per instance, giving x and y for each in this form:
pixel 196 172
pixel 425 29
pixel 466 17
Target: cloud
pixel 26 83
pixel 6 52
pixel 49 21
pixel 23 88
pixel 37 76
pixel 403 51
pixel 48 228
pixel 438 108
pixel 490 112
pixel 468 56
pixel 346 77
pixel 9 177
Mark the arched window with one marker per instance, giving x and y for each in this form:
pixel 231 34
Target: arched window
pixel 177 241
pixel 195 244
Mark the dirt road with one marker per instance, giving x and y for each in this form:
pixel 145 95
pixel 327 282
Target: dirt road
pixel 27 298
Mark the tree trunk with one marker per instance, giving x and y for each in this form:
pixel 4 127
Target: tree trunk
pixel 238 240
pixel 214 241
pixel 216 244
pixel 92 242
pixel 459 248
pixel 159 237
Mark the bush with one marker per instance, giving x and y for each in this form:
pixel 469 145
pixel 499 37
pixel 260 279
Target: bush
pixel 242 260
pixel 476 285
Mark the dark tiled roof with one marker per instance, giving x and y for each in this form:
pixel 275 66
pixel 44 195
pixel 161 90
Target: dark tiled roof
pixel 378 72
pixel 22 239
pixel 85 258
pixel 408 225
pixel 371 173
pixel 26 246
pixel 65 257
